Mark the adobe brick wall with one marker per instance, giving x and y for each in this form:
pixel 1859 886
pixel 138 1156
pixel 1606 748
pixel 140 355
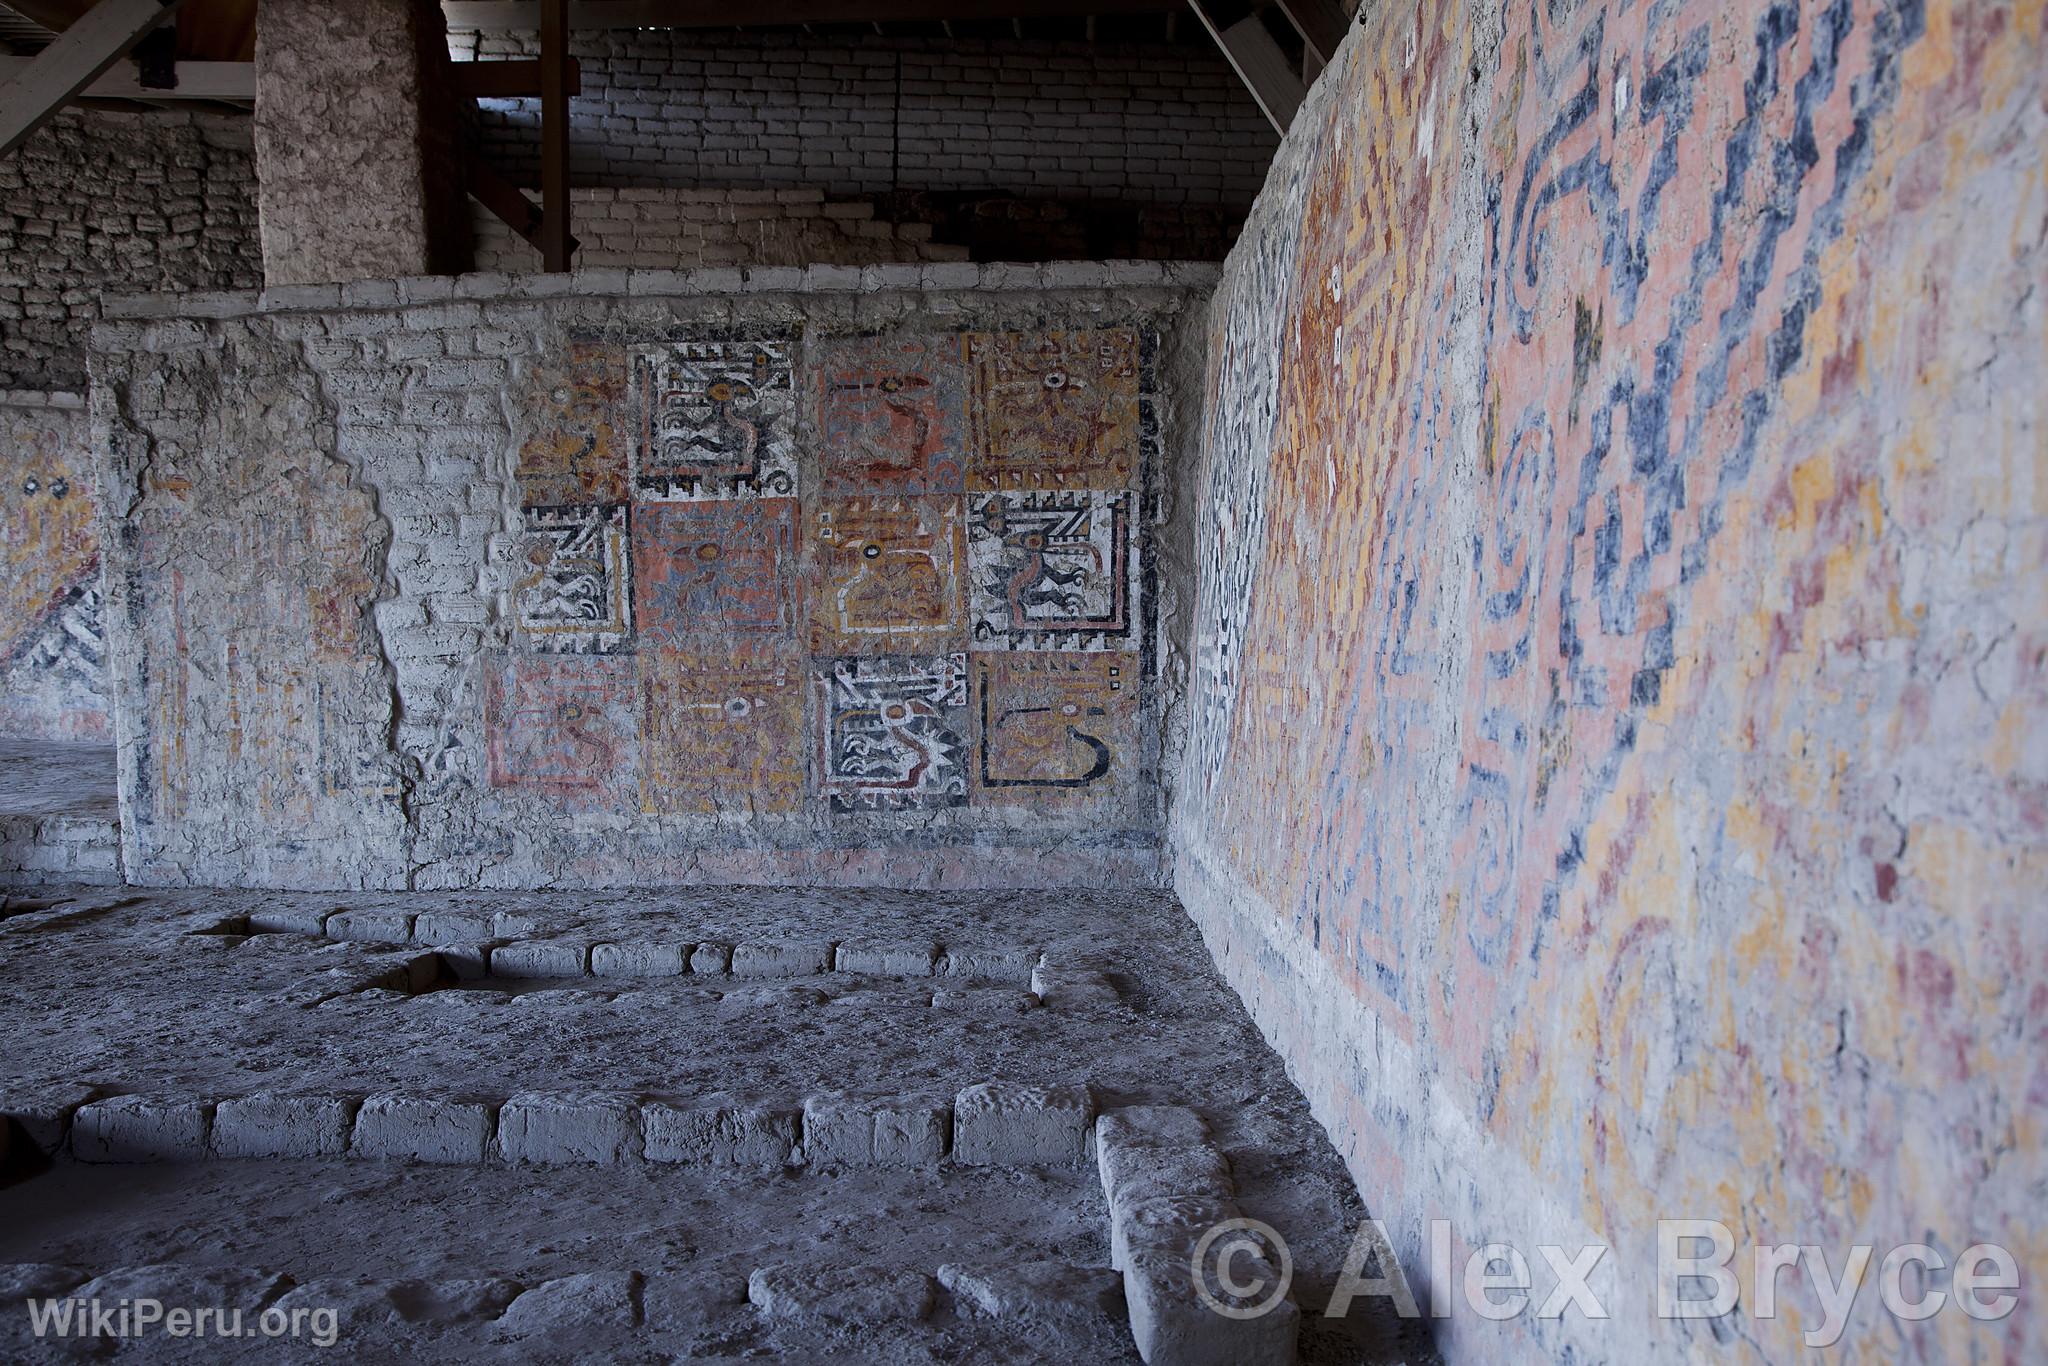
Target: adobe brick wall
pixel 1162 124
pixel 544 635
pixel 99 201
pixel 663 228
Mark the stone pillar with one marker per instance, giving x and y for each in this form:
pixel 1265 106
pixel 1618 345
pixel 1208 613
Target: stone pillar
pixel 343 118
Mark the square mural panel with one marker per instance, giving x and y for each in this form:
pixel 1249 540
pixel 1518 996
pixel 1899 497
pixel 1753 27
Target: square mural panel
pixel 1054 410
pixel 566 728
pixel 575 449
pixel 722 734
pixel 1055 729
pixel 891 731
pixel 1052 571
pixel 889 576
pixel 574 588
pixel 713 419
pixel 891 413
pixel 714 571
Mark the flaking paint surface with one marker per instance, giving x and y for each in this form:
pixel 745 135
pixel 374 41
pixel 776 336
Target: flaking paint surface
pixel 1619 656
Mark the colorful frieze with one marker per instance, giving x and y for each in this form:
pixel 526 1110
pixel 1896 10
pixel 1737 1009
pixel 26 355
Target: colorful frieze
pixel 890 642
pixel 892 732
pixel 892 414
pixel 713 419
pixel 1052 570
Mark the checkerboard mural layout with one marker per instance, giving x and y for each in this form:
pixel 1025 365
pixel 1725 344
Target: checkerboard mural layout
pixel 858 574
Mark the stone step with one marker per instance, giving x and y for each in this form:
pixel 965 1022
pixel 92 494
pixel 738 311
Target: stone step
pixel 984 1124
pixel 324 1312
pixel 1169 1192
pixel 38 848
pixel 666 998
pixel 506 945
pixel 1173 1211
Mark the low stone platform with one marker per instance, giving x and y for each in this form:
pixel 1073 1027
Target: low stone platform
pixel 60 818
pixel 805 1123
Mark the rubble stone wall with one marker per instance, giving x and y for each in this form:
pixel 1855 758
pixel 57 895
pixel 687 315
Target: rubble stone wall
pixel 98 201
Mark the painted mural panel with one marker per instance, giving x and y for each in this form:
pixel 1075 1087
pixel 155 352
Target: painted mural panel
pixel 52 647
pixel 564 728
pixel 892 732
pixel 724 733
pixel 1053 571
pixel 892 573
pixel 576 587
pixel 713 419
pixel 1055 409
pixel 578 446
pixel 892 413
pixel 1056 729
pixel 715 569
pixel 1580 701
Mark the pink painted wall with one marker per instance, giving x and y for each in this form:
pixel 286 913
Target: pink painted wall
pixel 1614 770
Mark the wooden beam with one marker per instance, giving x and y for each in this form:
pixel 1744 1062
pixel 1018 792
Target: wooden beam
pixel 525 14
pixel 1321 24
pixel 507 202
pixel 554 135
pixel 1259 63
pixel 101 37
pixel 196 81
pixel 519 79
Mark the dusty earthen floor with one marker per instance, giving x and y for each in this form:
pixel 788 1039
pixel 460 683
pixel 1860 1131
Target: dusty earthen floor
pixel 128 991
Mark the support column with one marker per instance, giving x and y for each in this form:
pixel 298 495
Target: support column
pixel 344 119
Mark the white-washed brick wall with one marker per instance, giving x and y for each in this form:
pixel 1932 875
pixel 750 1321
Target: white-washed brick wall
pixel 662 228
pixel 1164 123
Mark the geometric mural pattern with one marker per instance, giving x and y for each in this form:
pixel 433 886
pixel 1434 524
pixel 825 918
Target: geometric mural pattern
pixel 856 575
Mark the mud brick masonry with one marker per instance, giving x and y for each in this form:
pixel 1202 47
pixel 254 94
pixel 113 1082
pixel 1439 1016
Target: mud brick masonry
pixel 825 575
